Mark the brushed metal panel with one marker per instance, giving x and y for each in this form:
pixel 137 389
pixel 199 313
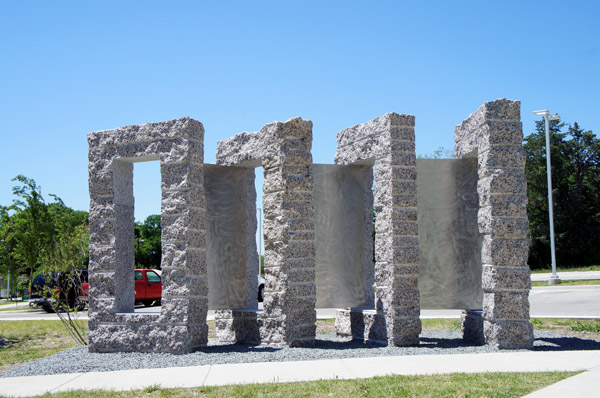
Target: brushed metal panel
pixel 225 191
pixel 339 213
pixel 449 239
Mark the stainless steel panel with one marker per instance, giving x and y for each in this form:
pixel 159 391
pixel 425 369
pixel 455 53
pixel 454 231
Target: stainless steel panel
pixel 225 190
pixel 449 239
pixel 339 235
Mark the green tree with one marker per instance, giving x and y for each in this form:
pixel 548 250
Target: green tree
pixel 32 230
pixel 69 251
pixel 7 243
pixel 70 225
pixel 64 218
pixel 575 157
pixel 440 153
pixel 148 245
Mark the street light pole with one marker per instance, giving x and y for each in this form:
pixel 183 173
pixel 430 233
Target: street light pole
pixel 554 279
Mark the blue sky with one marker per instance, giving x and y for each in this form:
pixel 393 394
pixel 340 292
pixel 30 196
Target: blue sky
pixel 68 68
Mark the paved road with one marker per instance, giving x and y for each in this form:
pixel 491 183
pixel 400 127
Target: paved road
pixel 546 302
pixel 574 301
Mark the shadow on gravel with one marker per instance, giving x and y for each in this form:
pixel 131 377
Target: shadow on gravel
pixel 546 343
pixel 324 344
pixel 320 344
pixel 343 345
pixel 237 348
pixel 563 343
pixel 445 343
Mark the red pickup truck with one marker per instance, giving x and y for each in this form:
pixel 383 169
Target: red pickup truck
pixel 148 286
pixel 148 289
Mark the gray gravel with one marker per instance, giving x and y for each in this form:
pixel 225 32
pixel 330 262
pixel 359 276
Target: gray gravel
pixel 78 359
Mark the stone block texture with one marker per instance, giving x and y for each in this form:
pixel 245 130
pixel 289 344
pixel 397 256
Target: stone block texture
pixel 181 324
pixel 472 327
pixel 388 144
pixel 238 326
pixel 493 134
pixel 363 324
pixel 284 151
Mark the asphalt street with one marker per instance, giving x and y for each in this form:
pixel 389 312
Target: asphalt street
pixel 546 302
pixel 565 301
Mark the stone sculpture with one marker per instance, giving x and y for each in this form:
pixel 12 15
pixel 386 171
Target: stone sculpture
pixel 208 224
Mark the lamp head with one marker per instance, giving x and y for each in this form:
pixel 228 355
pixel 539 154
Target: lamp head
pixel 555 117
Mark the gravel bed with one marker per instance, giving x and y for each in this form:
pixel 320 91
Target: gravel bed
pixel 78 359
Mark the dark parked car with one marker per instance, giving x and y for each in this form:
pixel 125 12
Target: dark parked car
pixel 70 289
pixel 261 289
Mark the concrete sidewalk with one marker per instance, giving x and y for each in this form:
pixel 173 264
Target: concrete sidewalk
pixel 350 368
pixel 582 385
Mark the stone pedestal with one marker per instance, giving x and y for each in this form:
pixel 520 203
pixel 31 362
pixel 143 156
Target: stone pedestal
pixel 361 324
pixel 472 326
pixel 238 326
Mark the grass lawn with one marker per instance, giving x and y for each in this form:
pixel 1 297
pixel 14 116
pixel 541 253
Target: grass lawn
pixel 584 328
pixel 454 385
pixel 574 269
pixel 568 283
pixel 30 340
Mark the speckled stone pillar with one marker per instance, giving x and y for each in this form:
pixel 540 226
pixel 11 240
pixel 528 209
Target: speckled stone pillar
pixel 388 143
pixel 494 135
pixel 181 324
pixel 283 149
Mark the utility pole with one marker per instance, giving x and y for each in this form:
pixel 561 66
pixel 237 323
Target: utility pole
pixel 554 279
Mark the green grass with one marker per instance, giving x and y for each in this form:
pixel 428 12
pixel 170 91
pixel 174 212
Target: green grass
pixel 29 340
pixel 592 325
pixel 564 324
pixel 454 385
pixel 573 269
pixel 441 324
pixel 568 283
